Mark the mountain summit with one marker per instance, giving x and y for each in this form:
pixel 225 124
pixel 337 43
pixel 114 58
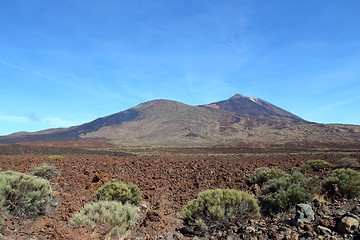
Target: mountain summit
pixel 236 121
pixel 241 104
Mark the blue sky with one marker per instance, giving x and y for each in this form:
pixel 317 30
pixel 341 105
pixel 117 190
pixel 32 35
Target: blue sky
pixel 67 62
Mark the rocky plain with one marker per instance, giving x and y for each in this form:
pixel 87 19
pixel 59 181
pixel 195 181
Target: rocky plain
pixel 168 179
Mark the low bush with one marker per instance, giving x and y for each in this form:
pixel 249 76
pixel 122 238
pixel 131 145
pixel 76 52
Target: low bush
pixel 55 157
pixel 120 217
pixel 24 195
pixel 348 162
pixel 264 174
pixel 280 194
pixel 343 181
pixel 218 209
pixel 45 170
pixel 315 166
pixel 115 190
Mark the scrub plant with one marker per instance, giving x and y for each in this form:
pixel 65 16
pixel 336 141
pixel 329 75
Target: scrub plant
pixel 264 174
pixel 120 217
pixel 218 210
pixel 55 157
pixel 343 181
pixel 315 166
pixel 115 190
pixel 45 170
pixel 24 195
pixel 279 194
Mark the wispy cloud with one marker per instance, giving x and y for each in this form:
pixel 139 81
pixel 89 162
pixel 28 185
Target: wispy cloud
pixel 13 118
pixel 236 36
pixel 336 104
pixel 93 89
pixel 33 117
pixel 48 121
pixel 59 122
pixel 67 80
pixel 28 70
pixel 12 65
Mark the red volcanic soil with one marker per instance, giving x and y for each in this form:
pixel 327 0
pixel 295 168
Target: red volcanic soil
pixel 168 179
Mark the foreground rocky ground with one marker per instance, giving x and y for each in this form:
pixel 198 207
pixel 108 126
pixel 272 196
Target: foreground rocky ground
pixel 168 179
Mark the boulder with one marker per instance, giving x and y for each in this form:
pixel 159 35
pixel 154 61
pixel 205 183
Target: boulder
pixel 304 213
pixel 348 225
pixel 323 230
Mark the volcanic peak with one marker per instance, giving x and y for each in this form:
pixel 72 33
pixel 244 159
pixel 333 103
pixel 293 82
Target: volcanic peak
pixel 251 106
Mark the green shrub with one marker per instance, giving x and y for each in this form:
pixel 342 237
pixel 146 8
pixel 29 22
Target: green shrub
pixel 264 174
pixel 348 162
pixel 24 195
pixel 218 209
pixel 344 181
pixel 115 190
pixel 45 170
pixel 280 194
pixel 315 166
pixel 120 217
pixel 55 157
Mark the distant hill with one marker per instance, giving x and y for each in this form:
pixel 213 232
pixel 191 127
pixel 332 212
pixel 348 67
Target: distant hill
pixel 238 121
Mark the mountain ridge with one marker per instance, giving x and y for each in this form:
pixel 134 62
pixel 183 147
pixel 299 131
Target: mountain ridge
pixel 237 120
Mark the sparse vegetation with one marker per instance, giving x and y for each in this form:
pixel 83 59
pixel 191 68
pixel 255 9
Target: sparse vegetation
pixel 315 165
pixel 169 179
pixel 264 174
pixel 45 170
pixel 115 190
pixel 343 181
pixel 348 162
pixel 218 209
pixel 120 217
pixel 24 195
pixel 280 194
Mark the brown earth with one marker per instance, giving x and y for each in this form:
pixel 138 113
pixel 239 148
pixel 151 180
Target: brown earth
pixel 168 179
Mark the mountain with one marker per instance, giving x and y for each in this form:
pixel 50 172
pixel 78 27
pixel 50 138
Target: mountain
pixel 237 121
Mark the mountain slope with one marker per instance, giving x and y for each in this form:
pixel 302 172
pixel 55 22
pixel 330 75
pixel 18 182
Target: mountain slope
pixel 237 121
